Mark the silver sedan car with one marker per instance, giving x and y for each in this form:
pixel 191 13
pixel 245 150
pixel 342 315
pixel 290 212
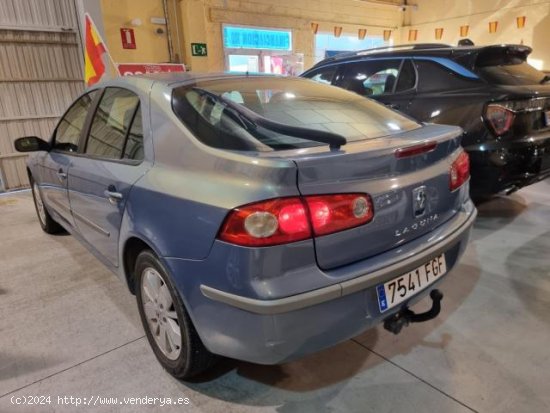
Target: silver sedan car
pixel 255 217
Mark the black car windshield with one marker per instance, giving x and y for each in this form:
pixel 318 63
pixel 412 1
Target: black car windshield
pixel 290 101
pixel 518 73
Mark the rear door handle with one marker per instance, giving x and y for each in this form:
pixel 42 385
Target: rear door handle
pixel 112 194
pixel 394 106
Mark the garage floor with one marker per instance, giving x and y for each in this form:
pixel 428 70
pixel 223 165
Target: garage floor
pixel 69 328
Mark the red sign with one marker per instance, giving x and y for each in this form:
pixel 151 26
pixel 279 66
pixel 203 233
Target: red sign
pixel 128 38
pixel 128 69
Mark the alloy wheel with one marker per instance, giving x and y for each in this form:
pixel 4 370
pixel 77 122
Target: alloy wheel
pixel 160 312
pixel 39 204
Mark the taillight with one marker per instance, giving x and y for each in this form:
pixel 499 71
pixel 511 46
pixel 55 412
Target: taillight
pixel 272 222
pixel 500 118
pixel 333 213
pixel 460 171
pixel 285 220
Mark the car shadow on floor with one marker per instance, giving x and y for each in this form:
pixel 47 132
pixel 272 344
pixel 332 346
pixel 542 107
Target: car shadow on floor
pixel 496 213
pixel 348 359
pixel 17 364
pixel 306 385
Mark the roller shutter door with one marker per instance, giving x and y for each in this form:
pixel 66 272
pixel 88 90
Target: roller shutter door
pixel 40 74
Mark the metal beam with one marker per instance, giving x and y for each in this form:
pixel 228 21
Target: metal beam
pixel 29 117
pixel 33 41
pixel 48 29
pixel 13 155
pixel 43 80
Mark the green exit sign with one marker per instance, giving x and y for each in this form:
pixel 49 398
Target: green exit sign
pixel 199 49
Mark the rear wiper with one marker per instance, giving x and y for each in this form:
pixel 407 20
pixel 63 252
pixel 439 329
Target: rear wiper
pixel 253 120
pixel 545 79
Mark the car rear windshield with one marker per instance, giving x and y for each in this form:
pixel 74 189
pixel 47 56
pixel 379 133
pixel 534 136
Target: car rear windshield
pixel 289 101
pixel 518 73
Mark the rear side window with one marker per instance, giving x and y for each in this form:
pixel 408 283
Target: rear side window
pixel 134 143
pixel 111 123
pixel 70 126
pixel 324 75
pixel 407 77
pixel 292 102
pixel 521 73
pixel 506 65
pixel 433 77
pixel 371 78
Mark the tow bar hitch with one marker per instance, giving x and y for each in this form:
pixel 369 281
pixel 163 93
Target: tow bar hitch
pixel 396 322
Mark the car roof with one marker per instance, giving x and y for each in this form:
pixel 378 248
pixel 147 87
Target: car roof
pixel 419 49
pixel 173 79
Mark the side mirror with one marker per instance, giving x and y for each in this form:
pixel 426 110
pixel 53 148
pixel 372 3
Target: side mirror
pixel 31 144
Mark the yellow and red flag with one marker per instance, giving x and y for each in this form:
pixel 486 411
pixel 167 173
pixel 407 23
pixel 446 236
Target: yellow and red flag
pixel 439 33
pixel 493 27
pixel 94 67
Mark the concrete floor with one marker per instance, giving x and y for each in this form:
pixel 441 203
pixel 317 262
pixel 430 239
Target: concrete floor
pixel 68 327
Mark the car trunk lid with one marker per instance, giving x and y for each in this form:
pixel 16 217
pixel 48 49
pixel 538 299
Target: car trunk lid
pixel 396 185
pixel 519 87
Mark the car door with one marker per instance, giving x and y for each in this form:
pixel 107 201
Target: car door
pixel 55 165
pixel 389 81
pixel 100 178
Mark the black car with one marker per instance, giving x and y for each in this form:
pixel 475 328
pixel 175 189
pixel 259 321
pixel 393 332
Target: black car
pixel 501 102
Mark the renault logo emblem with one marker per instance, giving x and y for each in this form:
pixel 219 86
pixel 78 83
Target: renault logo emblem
pixel 420 200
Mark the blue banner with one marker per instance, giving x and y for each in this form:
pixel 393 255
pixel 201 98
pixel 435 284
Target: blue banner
pixel 249 38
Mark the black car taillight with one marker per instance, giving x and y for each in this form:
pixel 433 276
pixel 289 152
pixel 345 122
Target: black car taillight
pixel 499 117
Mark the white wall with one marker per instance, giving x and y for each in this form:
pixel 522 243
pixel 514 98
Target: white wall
pixel 450 15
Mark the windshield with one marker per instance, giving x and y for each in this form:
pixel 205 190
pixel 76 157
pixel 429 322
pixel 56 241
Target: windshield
pixel 289 101
pixel 513 74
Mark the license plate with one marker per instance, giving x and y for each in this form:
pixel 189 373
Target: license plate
pixel 401 288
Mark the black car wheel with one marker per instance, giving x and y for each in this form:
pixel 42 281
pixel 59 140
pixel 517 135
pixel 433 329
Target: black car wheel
pixel 47 223
pixel 169 329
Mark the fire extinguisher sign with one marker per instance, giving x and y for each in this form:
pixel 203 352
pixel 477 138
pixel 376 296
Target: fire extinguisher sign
pixel 128 38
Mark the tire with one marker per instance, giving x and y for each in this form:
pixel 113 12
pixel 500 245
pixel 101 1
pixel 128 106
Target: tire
pixel 158 300
pixel 46 221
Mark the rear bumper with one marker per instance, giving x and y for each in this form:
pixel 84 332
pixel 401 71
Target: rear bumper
pixel 277 330
pixel 506 166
